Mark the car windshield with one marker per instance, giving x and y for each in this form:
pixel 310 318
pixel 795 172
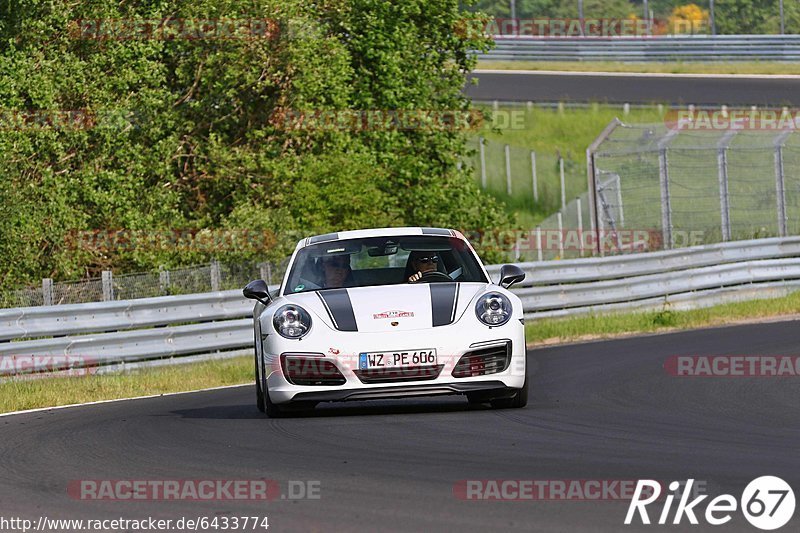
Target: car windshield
pixel 383 261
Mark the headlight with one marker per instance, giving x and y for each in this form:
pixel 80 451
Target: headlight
pixel 291 321
pixel 493 309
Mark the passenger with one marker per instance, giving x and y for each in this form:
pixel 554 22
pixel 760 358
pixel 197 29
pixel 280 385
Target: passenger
pixel 336 272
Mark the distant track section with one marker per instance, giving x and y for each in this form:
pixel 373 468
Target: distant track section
pixel 617 87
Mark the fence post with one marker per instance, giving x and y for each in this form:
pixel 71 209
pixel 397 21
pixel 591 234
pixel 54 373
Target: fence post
pixel 163 280
pixel 724 197
pixel 580 223
pixel 539 243
pixel 619 203
pixel 563 183
pixel 482 146
pixel 533 176
pixel 663 176
pixel 108 285
pixel 591 174
pixel 215 275
pixel 560 235
pixel 780 186
pixel 262 271
pixel 666 208
pixel 47 291
pixel 508 169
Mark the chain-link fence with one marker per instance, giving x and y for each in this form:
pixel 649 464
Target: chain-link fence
pixel 188 280
pixel 683 186
pixel 523 178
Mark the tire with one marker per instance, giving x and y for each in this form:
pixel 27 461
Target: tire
pixel 259 391
pixel 519 400
pixel 273 410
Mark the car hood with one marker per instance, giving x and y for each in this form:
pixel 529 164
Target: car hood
pixel 389 308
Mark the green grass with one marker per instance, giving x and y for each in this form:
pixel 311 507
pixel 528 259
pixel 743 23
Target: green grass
pixel 548 331
pixel 667 67
pixel 30 393
pixel 549 133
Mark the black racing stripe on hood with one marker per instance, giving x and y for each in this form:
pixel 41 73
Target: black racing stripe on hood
pixel 340 309
pixel 443 302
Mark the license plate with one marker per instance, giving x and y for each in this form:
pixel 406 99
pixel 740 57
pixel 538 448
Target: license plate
pixel 403 359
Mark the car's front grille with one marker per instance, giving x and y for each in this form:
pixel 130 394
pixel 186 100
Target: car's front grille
pixel 315 371
pixel 483 361
pixel 393 375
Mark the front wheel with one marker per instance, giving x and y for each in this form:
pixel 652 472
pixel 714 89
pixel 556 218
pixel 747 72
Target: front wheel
pixel 520 399
pixel 263 402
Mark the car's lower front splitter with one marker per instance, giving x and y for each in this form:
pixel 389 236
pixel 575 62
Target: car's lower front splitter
pixel 496 389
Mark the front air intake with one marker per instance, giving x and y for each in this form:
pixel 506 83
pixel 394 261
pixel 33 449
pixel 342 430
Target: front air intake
pixel 483 361
pixel 310 370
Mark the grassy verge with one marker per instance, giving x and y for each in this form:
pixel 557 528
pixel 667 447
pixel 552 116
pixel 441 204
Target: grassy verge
pixel 666 68
pixel 49 392
pixel 550 331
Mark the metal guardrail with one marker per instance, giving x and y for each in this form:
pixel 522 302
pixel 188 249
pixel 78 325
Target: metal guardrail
pixel 114 333
pixel 71 319
pixel 656 48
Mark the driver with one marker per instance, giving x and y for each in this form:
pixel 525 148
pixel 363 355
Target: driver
pixel 421 263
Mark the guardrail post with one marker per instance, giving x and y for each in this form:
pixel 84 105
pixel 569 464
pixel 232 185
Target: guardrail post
pixel 508 169
pixel 215 275
pixel 482 147
pixel 724 197
pixel 533 177
pixel 108 285
pixel 780 186
pixel 47 291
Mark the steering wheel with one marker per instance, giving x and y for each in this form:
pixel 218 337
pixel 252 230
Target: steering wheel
pixel 433 276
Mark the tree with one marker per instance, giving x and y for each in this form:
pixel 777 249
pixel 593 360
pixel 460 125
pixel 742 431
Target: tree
pixel 187 133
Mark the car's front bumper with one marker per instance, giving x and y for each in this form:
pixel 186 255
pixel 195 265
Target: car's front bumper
pixel 450 342
pixel 497 389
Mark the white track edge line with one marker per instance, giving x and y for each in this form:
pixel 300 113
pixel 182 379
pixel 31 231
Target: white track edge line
pixel 98 402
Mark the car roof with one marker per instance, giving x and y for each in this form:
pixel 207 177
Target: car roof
pixel 378 232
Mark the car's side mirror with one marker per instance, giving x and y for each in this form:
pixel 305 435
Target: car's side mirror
pixel 510 274
pixel 257 290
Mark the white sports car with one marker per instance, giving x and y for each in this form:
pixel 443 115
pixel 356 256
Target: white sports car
pixel 388 313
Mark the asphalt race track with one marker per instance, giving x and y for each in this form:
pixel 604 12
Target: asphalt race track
pixel 640 88
pixel 600 410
